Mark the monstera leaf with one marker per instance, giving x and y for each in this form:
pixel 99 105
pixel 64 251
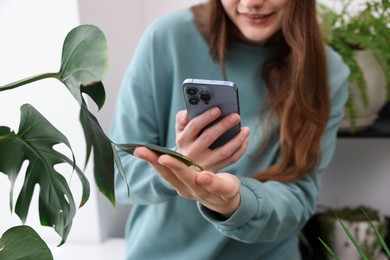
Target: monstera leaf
pixel 34 142
pixel 96 138
pixel 84 59
pixel 22 242
pixel 83 65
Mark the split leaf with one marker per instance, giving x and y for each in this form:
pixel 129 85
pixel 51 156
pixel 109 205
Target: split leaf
pixel 34 142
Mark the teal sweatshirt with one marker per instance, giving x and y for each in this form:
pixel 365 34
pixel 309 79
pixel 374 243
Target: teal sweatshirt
pixel 163 225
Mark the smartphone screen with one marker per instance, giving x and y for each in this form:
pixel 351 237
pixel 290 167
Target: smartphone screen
pixel 200 95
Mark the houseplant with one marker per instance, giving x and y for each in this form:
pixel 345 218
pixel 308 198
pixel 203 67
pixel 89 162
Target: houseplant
pixel 83 66
pixel 84 61
pixel 351 233
pixel 356 31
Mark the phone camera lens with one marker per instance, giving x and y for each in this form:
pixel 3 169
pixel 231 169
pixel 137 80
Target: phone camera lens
pixel 193 100
pixel 192 91
pixel 204 96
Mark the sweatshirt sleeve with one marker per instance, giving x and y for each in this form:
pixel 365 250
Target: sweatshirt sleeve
pixel 273 210
pixel 137 119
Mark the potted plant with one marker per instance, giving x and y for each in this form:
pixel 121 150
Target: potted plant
pixel 361 35
pixel 83 66
pixel 352 233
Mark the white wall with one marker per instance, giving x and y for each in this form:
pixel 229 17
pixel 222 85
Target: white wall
pixel 32 34
pixel 358 174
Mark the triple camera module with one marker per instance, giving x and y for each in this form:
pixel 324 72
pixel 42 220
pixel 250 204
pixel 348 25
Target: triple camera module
pixel 195 96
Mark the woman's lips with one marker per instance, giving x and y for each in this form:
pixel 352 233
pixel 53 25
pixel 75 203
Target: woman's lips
pixel 256 19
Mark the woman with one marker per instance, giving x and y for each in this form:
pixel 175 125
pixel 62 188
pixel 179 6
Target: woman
pixel 260 188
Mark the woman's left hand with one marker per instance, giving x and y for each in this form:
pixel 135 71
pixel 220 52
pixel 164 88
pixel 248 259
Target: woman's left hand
pixel 218 192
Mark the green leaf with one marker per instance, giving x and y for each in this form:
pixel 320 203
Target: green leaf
pixel 378 235
pixel 353 240
pixel 22 242
pixel 330 251
pixel 84 58
pixel 34 142
pixel 83 66
pixel 84 62
pixel 95 137
pixel 119 165
pixel 96 92
pixel 129 148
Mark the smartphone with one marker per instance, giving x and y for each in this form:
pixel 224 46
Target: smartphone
pixel 200 95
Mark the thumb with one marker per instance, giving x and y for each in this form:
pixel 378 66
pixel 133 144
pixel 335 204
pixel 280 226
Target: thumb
pixel 222 184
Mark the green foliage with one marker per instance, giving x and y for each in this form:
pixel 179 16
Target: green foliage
pixel 34 142
pixel 329 250
pixel 378 235
pixel 84 61
pixel 354 215
pixel 22 242
pixel 98 143
pixel 347 31
pixel 83 66
pixel 354 241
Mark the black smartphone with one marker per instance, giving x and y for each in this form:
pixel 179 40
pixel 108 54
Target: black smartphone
pixel 201 94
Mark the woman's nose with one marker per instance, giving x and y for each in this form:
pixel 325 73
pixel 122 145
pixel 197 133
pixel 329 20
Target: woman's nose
pixel 252 4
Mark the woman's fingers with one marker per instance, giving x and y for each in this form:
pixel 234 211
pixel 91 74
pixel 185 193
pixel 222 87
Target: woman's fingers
pixel 228 154
pixel 194 127
pixel 213 132
pixel 152 159
pixel 226 186
pixel 146 154
pixel 224 189
pixel 223 185
pixel 236 144
pixel 181 120
pixel 183 173
pixel 218 192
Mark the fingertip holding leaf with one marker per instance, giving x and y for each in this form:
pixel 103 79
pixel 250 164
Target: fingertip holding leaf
pixel 129 148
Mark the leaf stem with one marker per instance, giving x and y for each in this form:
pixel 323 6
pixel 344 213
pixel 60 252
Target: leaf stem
pixel 28 80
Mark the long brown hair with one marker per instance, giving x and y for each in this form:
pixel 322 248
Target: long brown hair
pixel 297 81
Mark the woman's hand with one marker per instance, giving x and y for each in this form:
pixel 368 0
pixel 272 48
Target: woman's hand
pixel 190 144
pixel 218 192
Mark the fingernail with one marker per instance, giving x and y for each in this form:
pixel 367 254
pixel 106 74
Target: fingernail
pixel 214 111
pixel 246 130
pixel 234 118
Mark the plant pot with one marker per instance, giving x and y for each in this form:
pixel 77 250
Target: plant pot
pixel 376 93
